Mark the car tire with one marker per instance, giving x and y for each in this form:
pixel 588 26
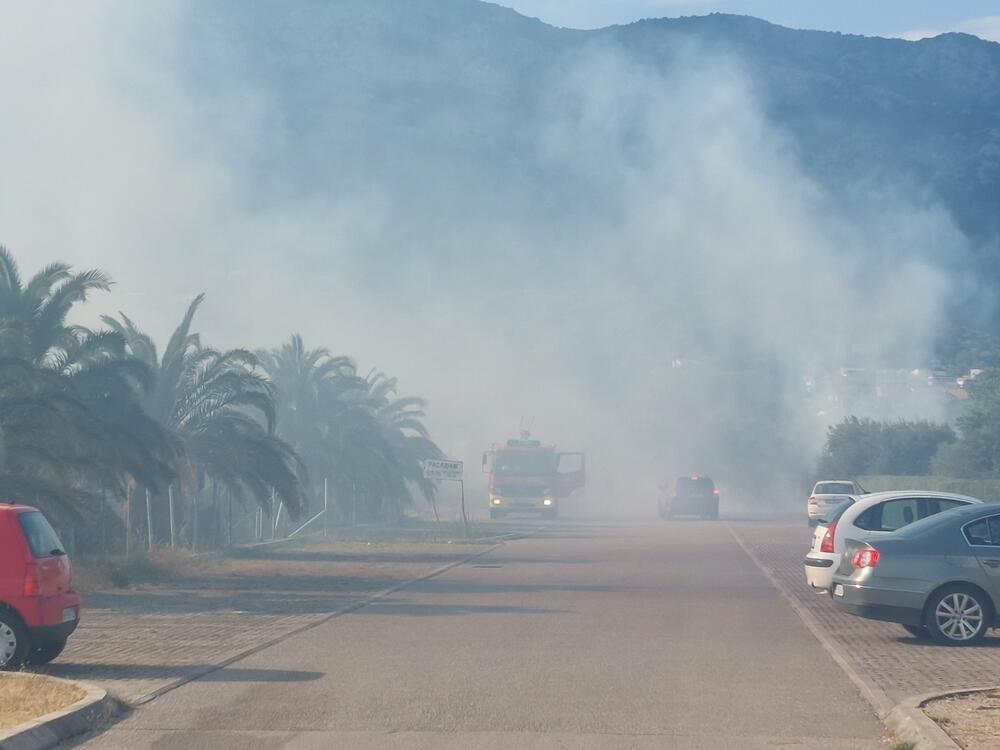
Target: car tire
pixel 45 653
pixel 14 645
pixel 976 616
pixel 917 631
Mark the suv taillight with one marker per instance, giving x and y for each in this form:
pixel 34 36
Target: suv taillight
pixel 827 544
pixel 865 558
pixel 811 501
pixel 32 581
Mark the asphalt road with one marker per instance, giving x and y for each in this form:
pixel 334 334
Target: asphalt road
pixel 587 636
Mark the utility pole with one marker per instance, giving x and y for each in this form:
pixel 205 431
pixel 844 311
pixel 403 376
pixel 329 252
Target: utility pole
pixel 465 521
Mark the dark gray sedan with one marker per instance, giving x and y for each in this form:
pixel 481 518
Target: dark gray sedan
pixel 937 577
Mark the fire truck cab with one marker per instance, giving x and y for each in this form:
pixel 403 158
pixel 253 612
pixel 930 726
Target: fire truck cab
pixel 526 476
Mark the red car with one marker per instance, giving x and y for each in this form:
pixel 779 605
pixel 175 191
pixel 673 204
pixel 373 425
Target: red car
pixel 38 607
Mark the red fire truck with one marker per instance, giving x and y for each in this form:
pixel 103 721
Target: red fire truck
pixel 528 477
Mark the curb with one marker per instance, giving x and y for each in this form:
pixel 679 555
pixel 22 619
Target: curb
pixel 909 722
pixel 353 607
pixel 51 729
pixel 905 719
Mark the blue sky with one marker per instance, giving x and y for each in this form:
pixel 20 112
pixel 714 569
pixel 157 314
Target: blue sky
pixel 904 18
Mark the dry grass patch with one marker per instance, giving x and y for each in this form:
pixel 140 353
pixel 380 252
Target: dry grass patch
pixel 27 697
pixel 972 720
pixel 142 567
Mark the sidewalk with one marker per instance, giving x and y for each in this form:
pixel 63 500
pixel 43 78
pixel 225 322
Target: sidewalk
pixel 137 641
pixel 901 665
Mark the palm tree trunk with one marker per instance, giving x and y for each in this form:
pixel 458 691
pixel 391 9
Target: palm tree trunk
pixel 216 517
pixel 194 519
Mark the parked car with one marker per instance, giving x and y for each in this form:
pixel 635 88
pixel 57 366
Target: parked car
pixel 870 517
pixel 38 607
pixel 690 496
pixel 939 577
pixel 827 495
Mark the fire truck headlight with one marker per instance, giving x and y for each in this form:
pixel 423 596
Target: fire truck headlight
pixel 547 501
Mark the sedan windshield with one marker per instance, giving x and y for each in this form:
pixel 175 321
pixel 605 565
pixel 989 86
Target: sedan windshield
pixel 834 488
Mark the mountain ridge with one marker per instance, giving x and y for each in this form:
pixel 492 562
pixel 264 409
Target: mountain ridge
pixel 380 89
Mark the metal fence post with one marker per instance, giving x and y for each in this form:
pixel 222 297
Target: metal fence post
pixel 194 520
pixel 128 517
pixel 149 519
pixel 274 516
pixel 173 523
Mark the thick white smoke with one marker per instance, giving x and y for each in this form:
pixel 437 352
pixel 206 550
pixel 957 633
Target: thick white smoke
pixel 664 322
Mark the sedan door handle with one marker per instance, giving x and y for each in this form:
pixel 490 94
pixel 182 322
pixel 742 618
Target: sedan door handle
pixel 992 562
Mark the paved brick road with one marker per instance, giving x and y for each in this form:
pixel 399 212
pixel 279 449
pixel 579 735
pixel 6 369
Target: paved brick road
pixel 136 641
pixel 896 662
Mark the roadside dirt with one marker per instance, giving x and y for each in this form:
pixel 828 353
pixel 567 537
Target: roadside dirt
pixel 972 720
pixel 27 697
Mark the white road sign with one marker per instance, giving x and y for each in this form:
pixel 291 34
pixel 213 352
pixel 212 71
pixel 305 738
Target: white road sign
pixel 442 468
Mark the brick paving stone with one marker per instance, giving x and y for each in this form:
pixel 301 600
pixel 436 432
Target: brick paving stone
pixel 135 641
pixel 895 661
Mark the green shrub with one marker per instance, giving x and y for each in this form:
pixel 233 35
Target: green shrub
pixel 986 489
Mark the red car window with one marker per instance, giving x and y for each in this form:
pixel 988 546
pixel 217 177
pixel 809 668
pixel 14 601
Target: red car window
pixel 42 538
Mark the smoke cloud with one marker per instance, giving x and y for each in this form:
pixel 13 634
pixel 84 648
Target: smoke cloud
pixel 655 284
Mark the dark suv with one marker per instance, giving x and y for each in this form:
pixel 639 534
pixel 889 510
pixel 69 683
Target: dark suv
pixel 690 496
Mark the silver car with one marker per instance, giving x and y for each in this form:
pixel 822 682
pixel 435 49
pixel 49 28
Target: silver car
pixel 827 495
pixel 939 577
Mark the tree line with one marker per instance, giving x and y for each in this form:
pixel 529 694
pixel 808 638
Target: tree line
pixel 971 450
pixel 160 444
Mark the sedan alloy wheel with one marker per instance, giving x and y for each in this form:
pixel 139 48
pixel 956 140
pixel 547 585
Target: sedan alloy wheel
pixel 957 617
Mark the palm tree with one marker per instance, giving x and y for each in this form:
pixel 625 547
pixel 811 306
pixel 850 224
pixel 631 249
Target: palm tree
pixel 219 412
pixel 401 422
pixel 33 316
pixel 112 385
pixel 350 430
pixel 72 419
pixel 306 381
pixel 42 432
pixel 323 414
